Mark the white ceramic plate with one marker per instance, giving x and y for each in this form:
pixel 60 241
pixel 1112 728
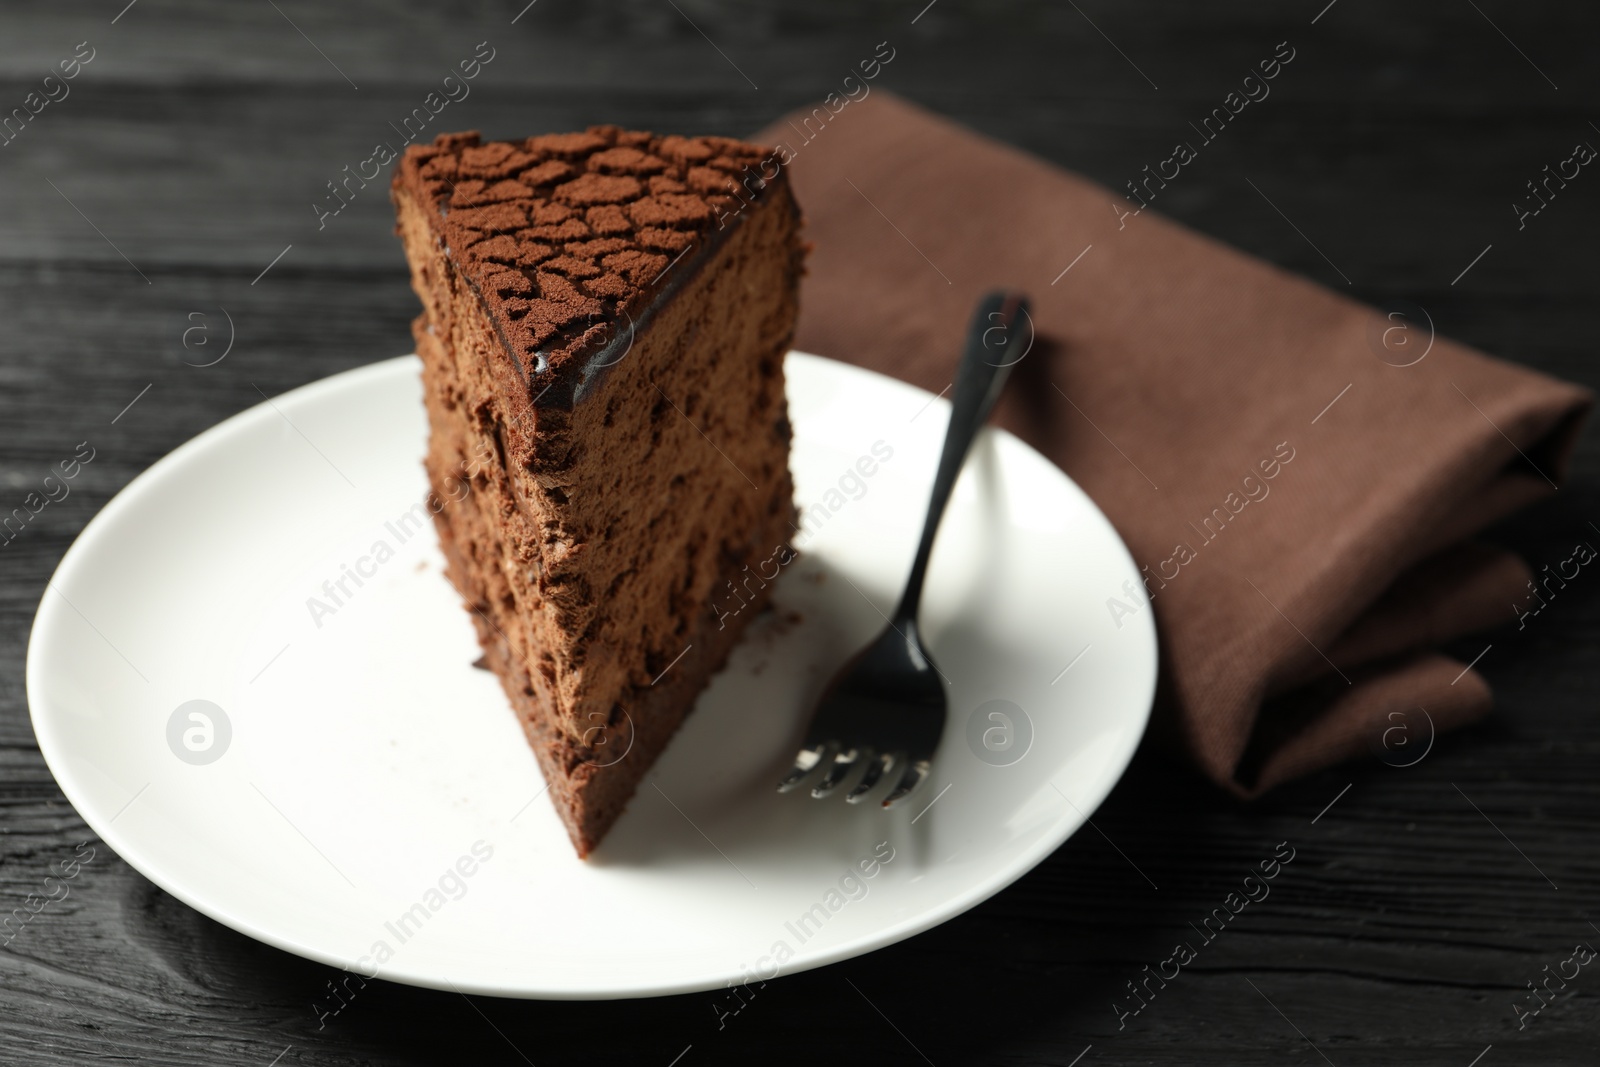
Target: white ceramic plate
pixel 359 794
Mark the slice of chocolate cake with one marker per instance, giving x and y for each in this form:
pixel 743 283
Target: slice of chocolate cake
pixel 605 319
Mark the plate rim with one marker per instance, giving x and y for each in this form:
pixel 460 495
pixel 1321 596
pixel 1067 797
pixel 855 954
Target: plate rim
pixel 55 755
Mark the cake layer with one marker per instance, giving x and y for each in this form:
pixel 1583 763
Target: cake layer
pixel 570 240
pixel 591 776
pixel 592 548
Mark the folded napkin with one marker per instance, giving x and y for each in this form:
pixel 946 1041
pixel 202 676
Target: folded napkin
pixel 1300 507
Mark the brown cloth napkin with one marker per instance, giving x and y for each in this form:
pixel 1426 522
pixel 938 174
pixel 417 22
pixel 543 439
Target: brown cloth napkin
pixel 1300 505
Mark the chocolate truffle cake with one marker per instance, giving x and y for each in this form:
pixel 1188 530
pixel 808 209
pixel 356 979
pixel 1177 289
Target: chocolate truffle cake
pixel 605 319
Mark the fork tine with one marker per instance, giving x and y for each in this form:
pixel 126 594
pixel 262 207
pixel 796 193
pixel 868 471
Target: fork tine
pixel 875 771
pixel 806 761
pixel 843 764
pixel 913 777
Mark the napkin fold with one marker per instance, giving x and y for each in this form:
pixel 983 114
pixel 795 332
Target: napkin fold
pixel 1301 505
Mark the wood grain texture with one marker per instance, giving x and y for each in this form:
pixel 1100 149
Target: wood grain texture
pixel 1408 923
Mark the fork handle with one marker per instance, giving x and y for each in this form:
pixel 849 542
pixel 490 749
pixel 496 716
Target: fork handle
pixel 985 366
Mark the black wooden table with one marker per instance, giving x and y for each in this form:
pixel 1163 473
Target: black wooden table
pixel 175 176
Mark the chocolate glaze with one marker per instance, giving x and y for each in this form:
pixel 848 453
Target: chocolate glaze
pixel 572 242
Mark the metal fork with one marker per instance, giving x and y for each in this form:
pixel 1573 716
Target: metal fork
pixel 885 709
